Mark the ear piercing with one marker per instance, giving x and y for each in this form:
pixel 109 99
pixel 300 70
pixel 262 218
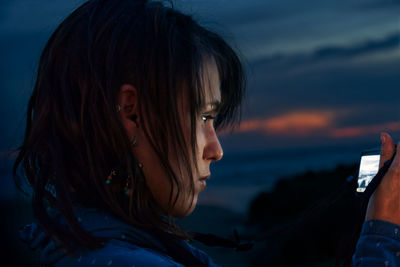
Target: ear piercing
pixel 134 141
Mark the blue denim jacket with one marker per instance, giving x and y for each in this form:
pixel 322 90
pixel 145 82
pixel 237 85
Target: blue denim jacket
pixel 120 250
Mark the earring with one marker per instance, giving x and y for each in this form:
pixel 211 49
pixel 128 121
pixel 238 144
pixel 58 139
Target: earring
pixel 110 177
pixel 118 108
pixel 134 142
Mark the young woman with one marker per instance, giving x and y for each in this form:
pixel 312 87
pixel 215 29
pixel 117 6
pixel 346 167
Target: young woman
pixel 121 132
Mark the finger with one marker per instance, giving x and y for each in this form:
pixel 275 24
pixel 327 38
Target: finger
pixel 387 148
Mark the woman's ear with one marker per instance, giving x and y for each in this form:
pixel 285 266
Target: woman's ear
pixel 128 108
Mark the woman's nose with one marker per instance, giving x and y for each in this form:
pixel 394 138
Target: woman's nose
pixel 213 150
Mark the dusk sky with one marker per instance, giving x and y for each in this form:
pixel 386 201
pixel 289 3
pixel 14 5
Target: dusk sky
pixel 319 72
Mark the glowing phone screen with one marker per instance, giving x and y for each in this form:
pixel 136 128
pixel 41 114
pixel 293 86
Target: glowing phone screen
pixel 369 167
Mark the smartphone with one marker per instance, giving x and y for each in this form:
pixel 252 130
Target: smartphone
pixel 369 167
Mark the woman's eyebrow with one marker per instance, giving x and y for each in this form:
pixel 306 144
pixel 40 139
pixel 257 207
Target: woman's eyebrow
pixel 215 105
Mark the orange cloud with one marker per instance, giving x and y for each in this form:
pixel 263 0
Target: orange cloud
pixel 294 123
pixel 320 123
pixel 364 130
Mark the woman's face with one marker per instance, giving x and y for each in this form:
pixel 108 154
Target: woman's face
pixel 208 150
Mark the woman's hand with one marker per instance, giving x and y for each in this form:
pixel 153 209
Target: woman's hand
pixel 384 203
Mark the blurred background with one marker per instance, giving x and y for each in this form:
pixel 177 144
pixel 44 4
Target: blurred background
pixel 323 82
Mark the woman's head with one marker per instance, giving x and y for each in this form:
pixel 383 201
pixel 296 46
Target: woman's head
pixel 207 150
pixel 162 69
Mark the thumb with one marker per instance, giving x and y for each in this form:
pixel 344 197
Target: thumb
pixel 387 148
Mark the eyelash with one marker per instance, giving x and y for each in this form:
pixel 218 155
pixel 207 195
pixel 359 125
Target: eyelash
pixel 205 118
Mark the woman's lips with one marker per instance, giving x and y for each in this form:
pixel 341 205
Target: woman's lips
pixel 203 180
pixel 206 177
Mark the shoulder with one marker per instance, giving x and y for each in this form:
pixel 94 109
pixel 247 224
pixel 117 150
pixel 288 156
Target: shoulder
pixel 114 254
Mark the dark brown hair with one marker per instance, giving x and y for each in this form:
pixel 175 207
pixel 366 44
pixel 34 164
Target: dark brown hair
pixel 74 136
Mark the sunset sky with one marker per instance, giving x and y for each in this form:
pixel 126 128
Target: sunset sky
pixel 319 72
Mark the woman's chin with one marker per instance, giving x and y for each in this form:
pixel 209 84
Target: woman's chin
pixel 183 212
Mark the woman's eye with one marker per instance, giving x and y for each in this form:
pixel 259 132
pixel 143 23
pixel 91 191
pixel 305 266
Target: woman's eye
pixel 205 118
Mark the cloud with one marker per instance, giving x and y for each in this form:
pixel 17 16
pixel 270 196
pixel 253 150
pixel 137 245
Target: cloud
pixel 391 41
pixel 310 124
pixel 366 80
pixel 300 123
pixel 351 132
pixel 238 12
pixel 373 4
